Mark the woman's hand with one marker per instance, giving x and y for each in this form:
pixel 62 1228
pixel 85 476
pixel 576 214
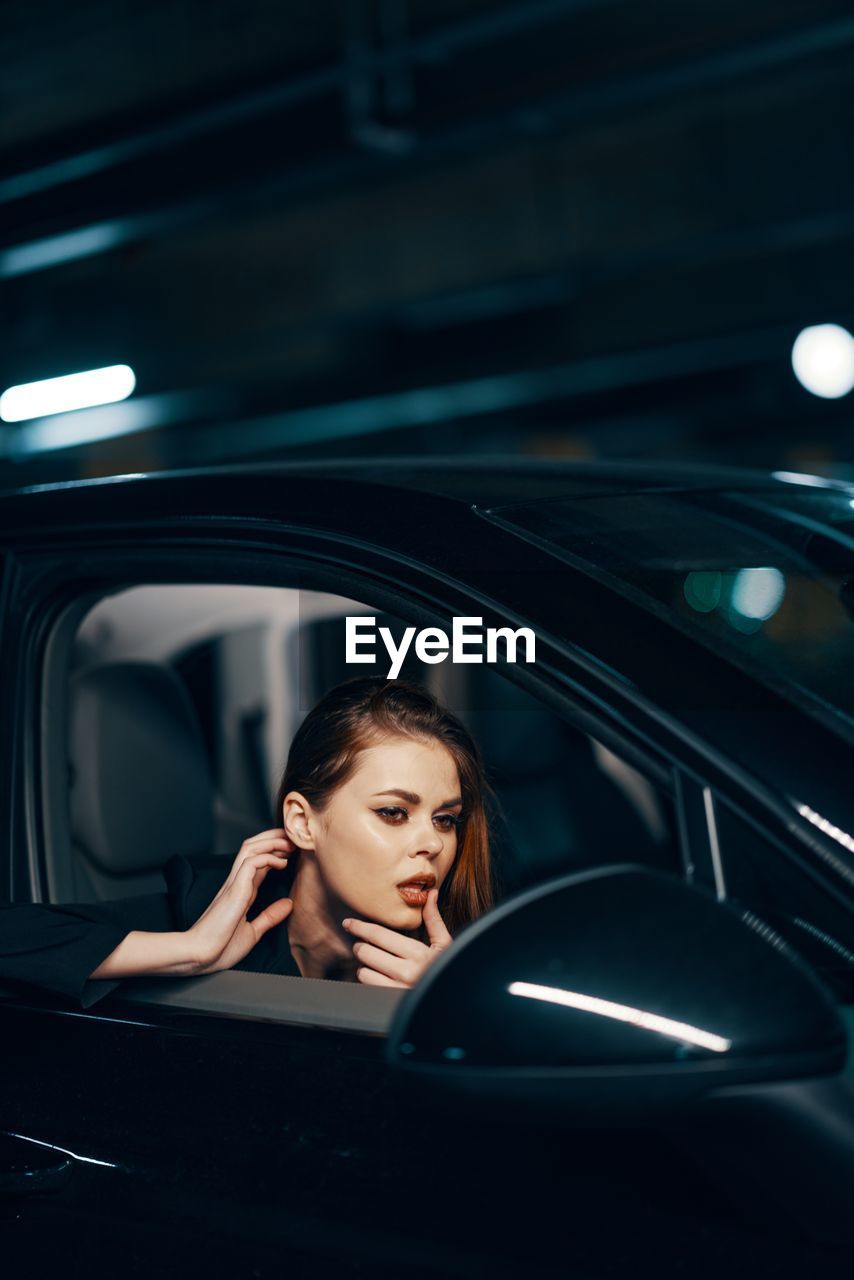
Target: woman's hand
pixel 222 935
pixel 391 959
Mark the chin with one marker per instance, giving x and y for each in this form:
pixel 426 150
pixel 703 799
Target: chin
pixel 400 917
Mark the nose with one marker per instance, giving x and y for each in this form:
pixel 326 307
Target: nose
pixel 428 841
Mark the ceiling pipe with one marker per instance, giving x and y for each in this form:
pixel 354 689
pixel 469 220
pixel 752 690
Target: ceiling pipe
pixel 559 111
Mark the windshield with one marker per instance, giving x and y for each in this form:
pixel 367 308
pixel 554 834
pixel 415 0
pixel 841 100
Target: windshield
pixel 764 577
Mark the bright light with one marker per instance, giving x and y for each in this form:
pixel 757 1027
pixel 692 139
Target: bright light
pixel 816 482
pixel 65 1151
pixel 827 827
pixel 757 593
pixel 74 391
pixel 623 1013
pixel 823 360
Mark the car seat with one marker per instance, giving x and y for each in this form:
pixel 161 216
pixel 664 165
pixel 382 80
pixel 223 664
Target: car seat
pixel 140 782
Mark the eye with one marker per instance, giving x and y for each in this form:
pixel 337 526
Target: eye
pixel 393 814
pixel 450 821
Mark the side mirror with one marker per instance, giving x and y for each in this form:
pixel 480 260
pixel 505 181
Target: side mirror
pixel 615 987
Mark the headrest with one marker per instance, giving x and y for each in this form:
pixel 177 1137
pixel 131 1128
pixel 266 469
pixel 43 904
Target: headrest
pixel 141 788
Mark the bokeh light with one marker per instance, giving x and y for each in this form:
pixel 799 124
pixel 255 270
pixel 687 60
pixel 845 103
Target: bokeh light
pixel 823 360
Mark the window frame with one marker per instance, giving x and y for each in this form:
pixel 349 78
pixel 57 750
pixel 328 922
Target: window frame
pixel 53 604
pixel 813 874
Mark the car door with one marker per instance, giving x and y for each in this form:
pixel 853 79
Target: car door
pixel 158 1135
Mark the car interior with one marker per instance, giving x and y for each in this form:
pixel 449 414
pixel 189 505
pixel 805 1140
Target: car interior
pixel 181 700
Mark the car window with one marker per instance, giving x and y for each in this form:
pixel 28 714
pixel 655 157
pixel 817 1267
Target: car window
pixel 761 877
pixel 564 801
pixel 253 661
pixel 768 583
pixel 213 682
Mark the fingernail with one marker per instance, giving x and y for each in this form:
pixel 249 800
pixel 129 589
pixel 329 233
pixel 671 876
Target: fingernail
pixel 346 923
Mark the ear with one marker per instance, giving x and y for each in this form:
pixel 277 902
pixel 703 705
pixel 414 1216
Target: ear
pixel 298 820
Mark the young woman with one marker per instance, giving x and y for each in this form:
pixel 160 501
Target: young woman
pixel 382 856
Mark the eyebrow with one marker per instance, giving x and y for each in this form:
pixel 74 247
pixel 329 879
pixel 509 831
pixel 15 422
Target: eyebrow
pixel 413 798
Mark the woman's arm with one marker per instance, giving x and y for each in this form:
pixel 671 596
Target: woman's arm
pixel 153 954
pixel 64 948
pixel 57 947
pixel 222 935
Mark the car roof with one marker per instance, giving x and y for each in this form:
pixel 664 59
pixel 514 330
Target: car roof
pixel 484 481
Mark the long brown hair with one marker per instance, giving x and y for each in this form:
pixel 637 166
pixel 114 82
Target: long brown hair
pixel 358 714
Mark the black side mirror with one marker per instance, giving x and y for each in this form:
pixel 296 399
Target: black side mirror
pixel 616 987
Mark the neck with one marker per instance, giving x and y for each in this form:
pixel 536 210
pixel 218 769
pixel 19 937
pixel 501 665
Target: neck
pixel 319 945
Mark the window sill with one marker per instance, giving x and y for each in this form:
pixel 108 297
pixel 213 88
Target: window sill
pixel 342 1006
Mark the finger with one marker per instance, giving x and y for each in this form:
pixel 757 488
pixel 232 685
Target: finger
pixel 272 841
pixel 434 924
pixel 252 873
pixel 371 979
pixel 260 862
pixel 265 835
pixel 389 939
pixel 381 962
pixel 239 892
pixel 272 915
pixel 275 845
pixel 249 849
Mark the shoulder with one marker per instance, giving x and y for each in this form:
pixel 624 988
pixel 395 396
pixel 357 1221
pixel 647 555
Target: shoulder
pixel 192 883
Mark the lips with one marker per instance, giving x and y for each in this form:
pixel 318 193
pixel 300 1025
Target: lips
pixel 414 891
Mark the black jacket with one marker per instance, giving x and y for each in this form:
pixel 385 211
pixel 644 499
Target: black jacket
pixel 57 947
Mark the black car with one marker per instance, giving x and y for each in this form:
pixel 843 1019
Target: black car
pixel 635 1064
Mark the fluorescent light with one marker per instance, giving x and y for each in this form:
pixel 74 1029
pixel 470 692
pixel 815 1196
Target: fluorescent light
pixel 622 1013
pixel 53 251
pixel 73 391
pixel 823 360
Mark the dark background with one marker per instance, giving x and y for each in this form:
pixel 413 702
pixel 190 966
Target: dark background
pixel 584 229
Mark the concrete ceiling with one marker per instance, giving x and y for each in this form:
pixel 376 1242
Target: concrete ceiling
pixel 596 223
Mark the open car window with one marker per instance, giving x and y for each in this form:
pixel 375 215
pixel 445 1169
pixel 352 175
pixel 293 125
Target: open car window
pixel 217 679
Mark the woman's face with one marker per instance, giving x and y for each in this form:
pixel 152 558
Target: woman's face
pixel 389 833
